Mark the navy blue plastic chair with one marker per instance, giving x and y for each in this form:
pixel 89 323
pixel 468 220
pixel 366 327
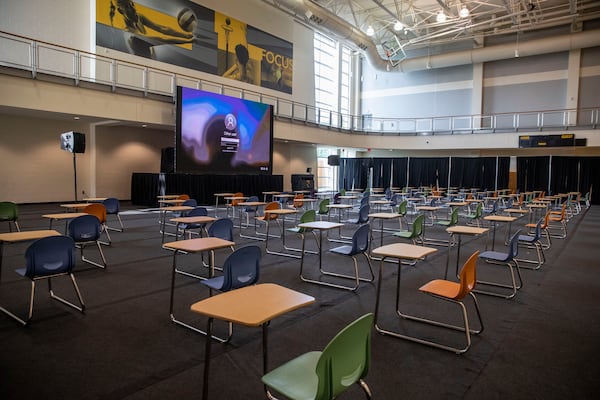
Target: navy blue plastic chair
pixel 240 269
pixel 509 259
pixel 86 230
pixel 113 207
pixel 360 245
pixel 187 228
pixel 534 241
pixel 48 258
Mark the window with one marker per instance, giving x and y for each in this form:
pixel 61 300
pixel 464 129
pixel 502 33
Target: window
pixel 332 81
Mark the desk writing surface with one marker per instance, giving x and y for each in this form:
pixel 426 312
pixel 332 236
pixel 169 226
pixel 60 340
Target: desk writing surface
pixel 13 237
pixel 340 206
pixel 403 250
pixel 281 211
pixel 499 218
pixel 199 244
pixel 466 230
pixel 252 305
pixel 385 215
pixel 176 208
pixel 75 205
pixel 64 215
pixel 320 225
pixel 199 219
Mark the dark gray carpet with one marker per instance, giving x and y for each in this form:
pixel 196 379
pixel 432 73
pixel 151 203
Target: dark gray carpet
pixel 542 344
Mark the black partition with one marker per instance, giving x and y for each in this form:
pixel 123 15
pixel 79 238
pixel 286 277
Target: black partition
pixel 145 187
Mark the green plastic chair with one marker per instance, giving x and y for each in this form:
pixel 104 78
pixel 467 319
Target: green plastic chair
pixel 308 216
pixel 475 218
pixel 450 222
pixel 323 209
pixel 417 230
pixel 326 374
pixel 9 212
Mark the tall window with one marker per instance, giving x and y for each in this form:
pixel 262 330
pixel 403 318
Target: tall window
pixel 332 81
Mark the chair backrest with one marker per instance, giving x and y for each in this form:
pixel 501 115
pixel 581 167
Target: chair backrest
pixel 8 211
pixel 513 246
pixel 274 205
pixel 86 228
pixel 546 220
pixel 112 205
pixel 417 227
pixel 403 207
pixel 433 202
pixel 364 201
pixel 221 228
pixel 190 203
pixel 468 276
pixel 454 216
pixel 336 198
pixel 236 202
pixel 323 209
pixel 183 197
pixel 479 210
pixel 308 216
pixel 298 204
pixel 363 214
pixel 241 268
pixel 345 359
pixel 49 256
pixel 360 239
pixel 251 208
pixel 198 212
pixel 98 210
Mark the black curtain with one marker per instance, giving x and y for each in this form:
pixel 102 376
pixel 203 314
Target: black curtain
pixel 532 173
pixel 353 173
pixel 590 178
pixel 382 172
pixel 431 171
pixel 565 174
pixel 503 172
pixel 399 166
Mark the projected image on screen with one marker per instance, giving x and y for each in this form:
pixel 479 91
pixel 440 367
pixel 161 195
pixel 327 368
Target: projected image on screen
pixel 222 135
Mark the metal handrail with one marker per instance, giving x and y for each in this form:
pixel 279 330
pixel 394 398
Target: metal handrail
pixel 37 57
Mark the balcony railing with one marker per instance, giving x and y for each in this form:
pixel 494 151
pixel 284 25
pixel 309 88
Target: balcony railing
pixel 23 55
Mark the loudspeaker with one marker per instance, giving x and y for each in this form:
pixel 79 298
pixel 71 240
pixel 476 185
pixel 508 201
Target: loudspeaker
pixel 78 142
pixel 73 142
pixel 333 160
pixel 167 160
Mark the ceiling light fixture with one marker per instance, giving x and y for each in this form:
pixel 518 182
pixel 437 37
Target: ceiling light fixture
pixel 464 12
pixel 370 31
pixel 441 17
pixel 398 26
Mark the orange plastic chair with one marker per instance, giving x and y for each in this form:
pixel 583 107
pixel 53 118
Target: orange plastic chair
pixel 233 203
pixel 267 217
pixel 99 210
pixel 558 220
pixel 455 292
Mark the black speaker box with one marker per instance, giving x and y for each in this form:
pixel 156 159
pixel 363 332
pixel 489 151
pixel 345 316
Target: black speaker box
pixel 333 160
pixel 167 160
pixel 78 142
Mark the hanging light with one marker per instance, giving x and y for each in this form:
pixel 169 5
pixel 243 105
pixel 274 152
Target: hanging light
pixel 441 17
pixel 464 12
pixel 398 26
pixel 370 31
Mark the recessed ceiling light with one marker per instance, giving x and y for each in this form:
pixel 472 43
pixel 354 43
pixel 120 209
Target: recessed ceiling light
pixel 370 31
pixel 75 118
pixel 464 12
pixel 144 125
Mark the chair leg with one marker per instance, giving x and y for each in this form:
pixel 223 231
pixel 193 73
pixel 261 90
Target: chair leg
pixel 514 285
pixel 87 260
pixel 62 300
pixel 365 388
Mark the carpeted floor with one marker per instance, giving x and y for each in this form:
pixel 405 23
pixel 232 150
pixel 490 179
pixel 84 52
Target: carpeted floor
pixel 542 344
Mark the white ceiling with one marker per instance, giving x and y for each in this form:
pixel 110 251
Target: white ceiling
pixel 420 32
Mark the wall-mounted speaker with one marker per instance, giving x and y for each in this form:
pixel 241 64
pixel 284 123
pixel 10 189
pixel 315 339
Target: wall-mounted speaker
pixel 333 160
